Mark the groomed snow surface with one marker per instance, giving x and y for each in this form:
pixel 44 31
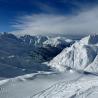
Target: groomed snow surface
pixel 50 85
pixel 84 87
pixel 76 75
pixel 29 85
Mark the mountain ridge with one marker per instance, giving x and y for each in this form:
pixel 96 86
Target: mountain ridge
pixel 78 56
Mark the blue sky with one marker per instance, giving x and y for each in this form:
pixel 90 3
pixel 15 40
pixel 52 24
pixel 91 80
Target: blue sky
pixel 42 16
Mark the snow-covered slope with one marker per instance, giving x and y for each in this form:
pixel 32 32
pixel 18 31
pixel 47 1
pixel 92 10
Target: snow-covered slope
pixel 29 85
pixel 91 40
pixel 79 56
pixel 85 87
pixel 93 67
pixel 69 84
pixel 50 85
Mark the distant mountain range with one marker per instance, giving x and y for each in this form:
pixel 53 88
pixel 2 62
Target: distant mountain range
pixel 24 54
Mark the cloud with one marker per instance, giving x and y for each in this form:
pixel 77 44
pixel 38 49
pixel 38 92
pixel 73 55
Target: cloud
pixel 85 22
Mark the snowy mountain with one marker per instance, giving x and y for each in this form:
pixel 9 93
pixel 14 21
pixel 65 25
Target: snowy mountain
pixel 24 54
pixel 81 56
pixel 24 74
pixel 33 40
pixel 59 42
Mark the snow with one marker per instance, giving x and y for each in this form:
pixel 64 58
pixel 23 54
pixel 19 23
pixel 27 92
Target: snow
pixel 3 81
pixel 83 87
pixel 91 40
pixel 69 84
pixel 31 84
pixel 65 81
pixel 79 56
pixel 33 40
pixel 58 41
pixel 93 67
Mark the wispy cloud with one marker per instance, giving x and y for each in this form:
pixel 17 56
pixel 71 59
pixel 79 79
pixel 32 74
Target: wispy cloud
pixel 83 22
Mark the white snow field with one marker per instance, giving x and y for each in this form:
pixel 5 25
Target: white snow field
pixel 29 85
pixel 69 84
pixel 84 87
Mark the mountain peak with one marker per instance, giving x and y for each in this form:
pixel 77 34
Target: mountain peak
pixel 91 39
pixel 78 56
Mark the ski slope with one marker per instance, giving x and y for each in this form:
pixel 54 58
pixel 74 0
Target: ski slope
pixel 31 84
pixel 84 87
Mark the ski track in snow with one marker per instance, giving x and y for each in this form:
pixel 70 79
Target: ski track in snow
pixel 66 85
pixel 79 88
pixel 29 85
